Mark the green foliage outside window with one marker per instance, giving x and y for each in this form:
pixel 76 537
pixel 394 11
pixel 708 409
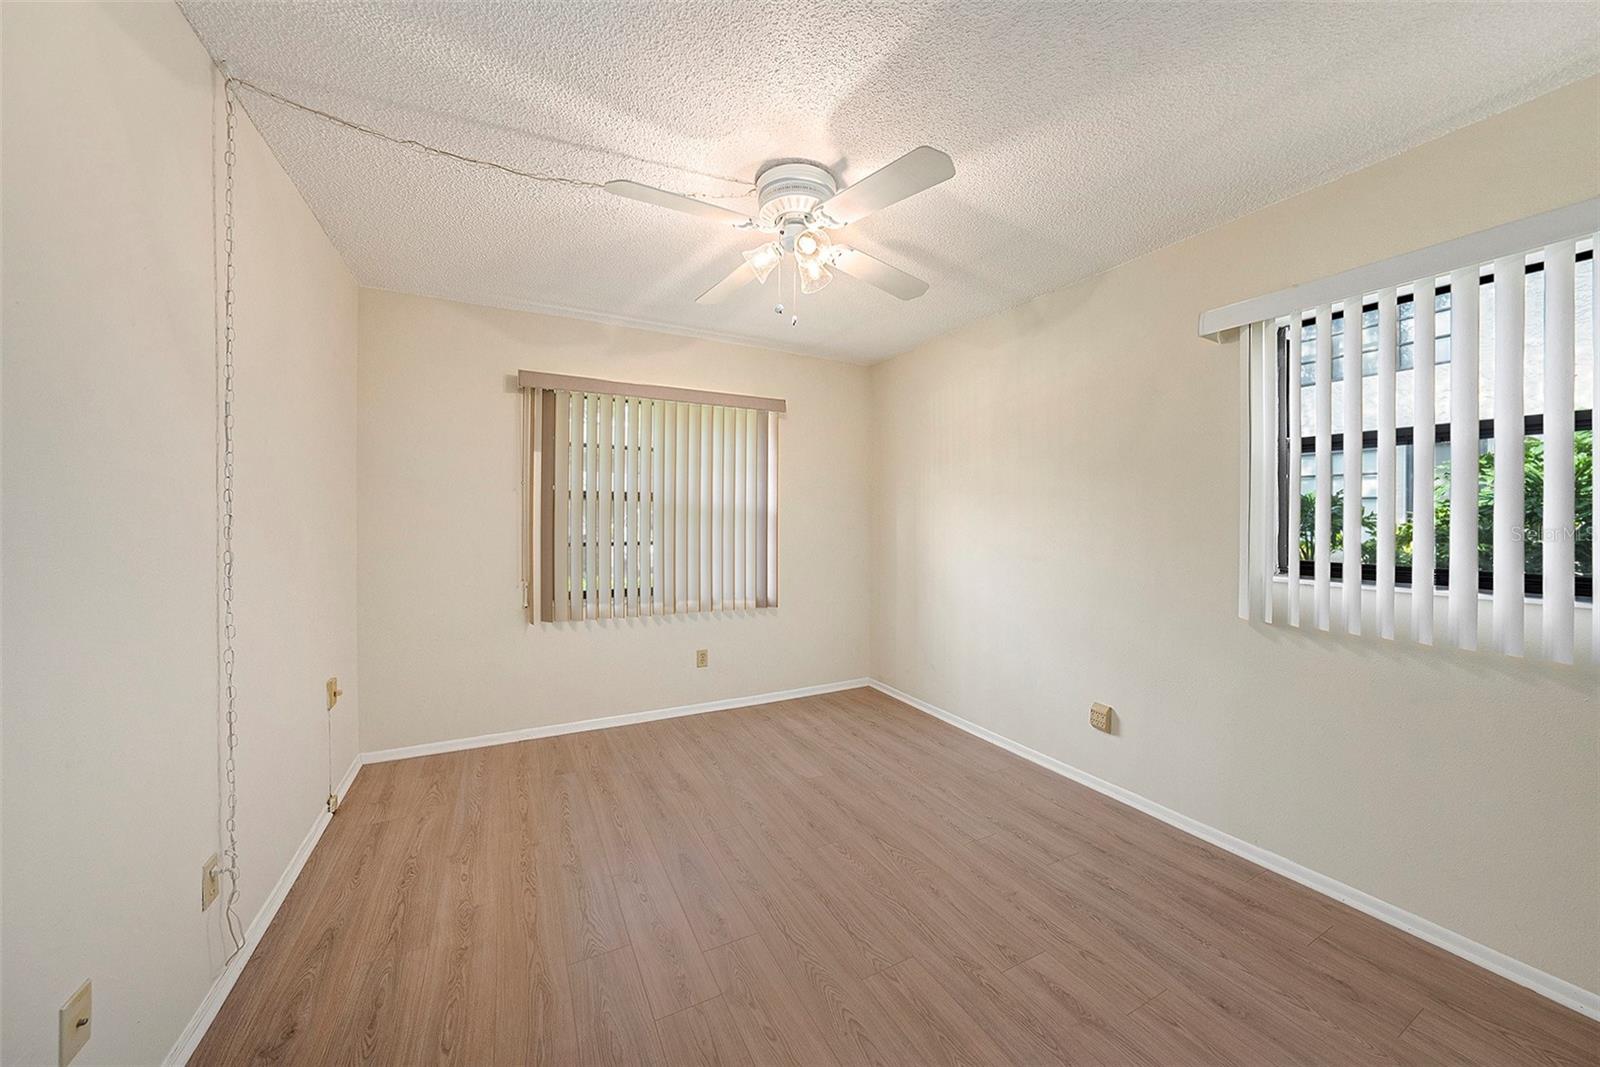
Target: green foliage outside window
pixel 1533 512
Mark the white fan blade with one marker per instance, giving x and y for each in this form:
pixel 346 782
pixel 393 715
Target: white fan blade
pixel 687 204
pixel 891 280
pixel 741 275
pixel 919 169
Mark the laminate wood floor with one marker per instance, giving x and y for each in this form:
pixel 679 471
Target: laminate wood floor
pixel 833 880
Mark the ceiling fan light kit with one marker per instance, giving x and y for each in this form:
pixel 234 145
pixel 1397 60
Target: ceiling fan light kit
pixel 800 202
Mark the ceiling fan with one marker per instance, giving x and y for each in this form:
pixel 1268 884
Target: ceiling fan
pixel 803 207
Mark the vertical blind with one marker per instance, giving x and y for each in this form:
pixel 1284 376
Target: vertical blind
pixel 649 500
pixel 1540 335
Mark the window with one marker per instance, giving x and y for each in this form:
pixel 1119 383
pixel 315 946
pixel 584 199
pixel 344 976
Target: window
pixel 1303 546
pixel 1362 393
pixel 649 500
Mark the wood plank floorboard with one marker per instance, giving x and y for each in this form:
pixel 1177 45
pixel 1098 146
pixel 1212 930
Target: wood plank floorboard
pixel 837 879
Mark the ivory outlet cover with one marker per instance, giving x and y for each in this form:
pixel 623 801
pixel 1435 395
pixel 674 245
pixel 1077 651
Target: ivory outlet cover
pixel 75 1015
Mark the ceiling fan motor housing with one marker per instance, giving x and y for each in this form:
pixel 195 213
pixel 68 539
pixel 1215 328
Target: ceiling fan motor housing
pixel 788 192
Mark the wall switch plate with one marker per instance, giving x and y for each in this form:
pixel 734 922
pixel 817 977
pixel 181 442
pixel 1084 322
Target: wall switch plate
pixel 75 1014
pixel 210 881
pixel 1100 717
pixel 334 692
pixel 702 657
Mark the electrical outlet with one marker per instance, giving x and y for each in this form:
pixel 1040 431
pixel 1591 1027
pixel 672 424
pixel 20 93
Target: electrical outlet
pixel 1100 717
pixel 702 658
pixel 210 881
pixel 74 1019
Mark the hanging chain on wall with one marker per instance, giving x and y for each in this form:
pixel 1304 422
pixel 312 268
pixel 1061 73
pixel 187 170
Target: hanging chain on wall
pixel 229 629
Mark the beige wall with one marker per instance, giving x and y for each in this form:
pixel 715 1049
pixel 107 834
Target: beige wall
pixel 109 620
pixel 446 651
pixel 1055 523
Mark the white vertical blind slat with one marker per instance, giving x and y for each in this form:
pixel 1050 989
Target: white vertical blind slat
pixel 1422 550
pixel 648 531
pixel 1351 569
pixel 1509 560
pixel 1267 484
pixel 1246 486
pixel 1557 562
pixel 1464 458
pixel 561 596
pixel 1388 340
pixel 1323 399
pixel 1292 462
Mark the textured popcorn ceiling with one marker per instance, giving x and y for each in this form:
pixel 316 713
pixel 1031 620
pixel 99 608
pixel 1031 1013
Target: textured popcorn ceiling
pixel 1084 134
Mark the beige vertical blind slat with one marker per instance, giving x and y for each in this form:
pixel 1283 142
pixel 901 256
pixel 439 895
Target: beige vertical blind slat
pixel 618 488
pixel 715 555
pixel 592 507
pixel 641 527
pixel 1351 569
pixel 1388 357
pixel 1292 461
pixel 1464 458
pixel 1323 398
pixel 682 474
pixel 761 420
pixel 1557 562
pixel 730 509
pixel 1509 558
pixel 547 508
pixel 668 473
pixel 661 556
pixel 561 527
pixel 772 508
pixel 649 532
pixel 573 491
pixel 708 503
pixel 694 508
pixel 610 539
pixel 1422 533
pixel 752 511
pixel 741 505
pixel 641 508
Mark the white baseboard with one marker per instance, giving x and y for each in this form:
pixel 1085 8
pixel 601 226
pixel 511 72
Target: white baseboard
pixel 187 1041
pixel 485 740
pixel 1557 989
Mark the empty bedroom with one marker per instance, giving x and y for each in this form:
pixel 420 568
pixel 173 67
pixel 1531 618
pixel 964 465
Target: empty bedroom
pixel 669 532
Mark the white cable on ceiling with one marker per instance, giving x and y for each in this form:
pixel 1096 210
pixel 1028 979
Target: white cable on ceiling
pixel 407 142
